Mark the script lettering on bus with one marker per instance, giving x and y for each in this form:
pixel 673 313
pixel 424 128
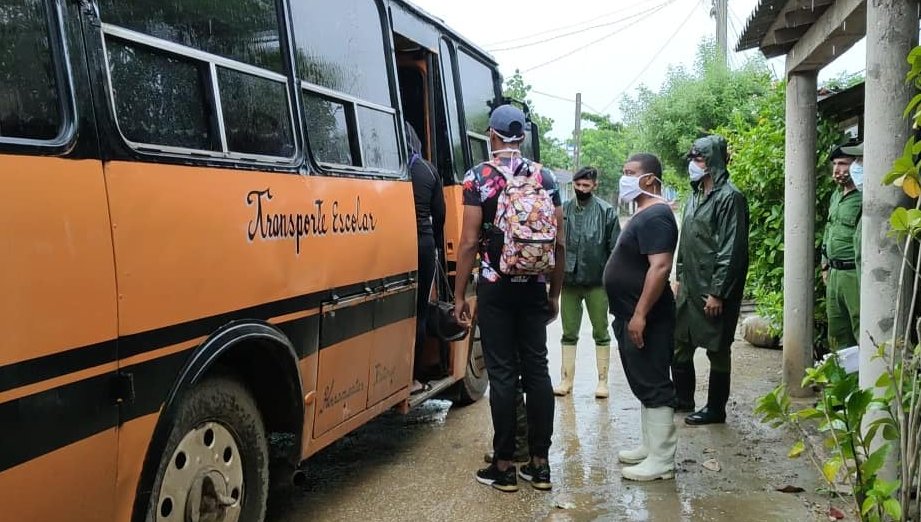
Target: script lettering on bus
pixel 384 374
pixel 332 396
pixel 318 220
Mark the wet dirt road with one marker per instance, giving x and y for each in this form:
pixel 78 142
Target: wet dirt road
pixel 420 466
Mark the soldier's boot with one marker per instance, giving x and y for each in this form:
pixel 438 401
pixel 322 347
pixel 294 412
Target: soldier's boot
pixel 602 361
pixel 567 371
pixel 717 397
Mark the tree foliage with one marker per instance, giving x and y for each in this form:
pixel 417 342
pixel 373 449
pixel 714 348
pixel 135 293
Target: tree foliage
pixel 757 169
pixel 605 146
pixel 552 151
pixel 691 103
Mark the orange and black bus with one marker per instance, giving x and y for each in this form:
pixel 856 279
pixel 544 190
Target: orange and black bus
pixel 208 241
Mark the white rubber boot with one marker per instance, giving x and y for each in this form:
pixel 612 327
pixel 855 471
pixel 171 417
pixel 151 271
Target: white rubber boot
pixel 663 442
pixel 567 371
pixel 639 453
pixel 602 361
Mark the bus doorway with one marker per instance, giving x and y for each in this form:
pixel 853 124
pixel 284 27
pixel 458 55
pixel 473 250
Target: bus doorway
pixel 455 369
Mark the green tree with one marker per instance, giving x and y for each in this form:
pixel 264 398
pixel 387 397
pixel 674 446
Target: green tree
pixel 691 103
pixel 606 147
pixel 552 151
pixel 757 149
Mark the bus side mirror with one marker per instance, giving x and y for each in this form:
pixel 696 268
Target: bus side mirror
pixel 535 142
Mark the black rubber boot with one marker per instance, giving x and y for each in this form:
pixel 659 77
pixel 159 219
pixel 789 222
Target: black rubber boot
pixel 717 396
pixel 685 383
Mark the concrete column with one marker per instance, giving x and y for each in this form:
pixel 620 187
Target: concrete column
pixel 799 229
pixel 892 31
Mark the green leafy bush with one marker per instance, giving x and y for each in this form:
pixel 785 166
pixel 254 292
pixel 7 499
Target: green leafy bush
pixel 757 169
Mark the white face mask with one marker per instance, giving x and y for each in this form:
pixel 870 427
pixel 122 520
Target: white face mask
pixel 856 171
pixel 696 172
pixel 630 188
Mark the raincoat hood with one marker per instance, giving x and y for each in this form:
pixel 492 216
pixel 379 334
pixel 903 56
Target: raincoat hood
pixel 414 144
pixel 715 150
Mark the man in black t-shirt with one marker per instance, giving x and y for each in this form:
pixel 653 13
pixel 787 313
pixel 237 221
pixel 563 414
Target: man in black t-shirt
pixel 641 300
pixel 512 311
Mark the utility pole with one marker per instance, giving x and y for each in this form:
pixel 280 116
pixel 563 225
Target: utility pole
pixel 577 134
pixel 721 13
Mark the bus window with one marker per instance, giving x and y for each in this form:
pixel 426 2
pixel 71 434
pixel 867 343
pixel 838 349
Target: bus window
pixel 340 46
pixel 379 143
pixel 450 90
pixel 243 31
pixel 344 73
pixel 479 90
pixel 171 111
pixel 255 114
pixel 328 129
pixel 168 95
pixel 30 105
pixel 479 148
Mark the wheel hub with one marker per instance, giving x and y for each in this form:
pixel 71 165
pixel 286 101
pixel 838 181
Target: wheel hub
pixel 204 479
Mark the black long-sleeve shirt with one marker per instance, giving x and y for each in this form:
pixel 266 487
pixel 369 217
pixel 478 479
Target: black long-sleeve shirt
pixel 429 200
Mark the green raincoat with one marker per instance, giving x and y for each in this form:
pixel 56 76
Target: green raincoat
pixel 712 255
pixel 591 233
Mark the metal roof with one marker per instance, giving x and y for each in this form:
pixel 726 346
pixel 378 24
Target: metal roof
pixel 775 26
pixel 842 105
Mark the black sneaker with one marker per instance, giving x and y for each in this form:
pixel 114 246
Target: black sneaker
pixel 538 476
pixel 505 481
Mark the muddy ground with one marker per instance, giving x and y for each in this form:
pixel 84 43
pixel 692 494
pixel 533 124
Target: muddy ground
pixel 420 466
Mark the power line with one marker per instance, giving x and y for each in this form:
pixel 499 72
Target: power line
pixel 565 27
pixel 654 58
pixel 593 42
pixel 579 31
pixel 562 98
pixel 738 19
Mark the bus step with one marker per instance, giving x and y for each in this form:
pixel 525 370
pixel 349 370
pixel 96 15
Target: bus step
pixel 437 387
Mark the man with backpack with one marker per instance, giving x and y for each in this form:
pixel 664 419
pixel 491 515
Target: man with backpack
pixel 513 222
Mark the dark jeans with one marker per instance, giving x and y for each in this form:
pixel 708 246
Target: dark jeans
pixel 648 369
pixel 513 328
pixel 426 275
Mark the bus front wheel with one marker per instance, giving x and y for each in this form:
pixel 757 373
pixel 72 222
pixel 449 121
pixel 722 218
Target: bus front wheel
pixel 215 464
pixel 473 386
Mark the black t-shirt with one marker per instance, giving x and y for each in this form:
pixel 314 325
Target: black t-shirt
pixel 651 231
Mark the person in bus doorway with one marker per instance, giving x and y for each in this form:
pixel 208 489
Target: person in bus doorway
pixel 513 309
pixel 636 282
pixel 592 229
pixel 839 250
pixel 430 218
pixel 711 268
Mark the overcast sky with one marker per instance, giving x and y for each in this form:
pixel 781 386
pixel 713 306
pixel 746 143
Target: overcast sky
pixel 639 39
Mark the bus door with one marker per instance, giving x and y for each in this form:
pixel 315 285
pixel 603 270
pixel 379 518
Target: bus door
pixel 58 303
pixel 429 96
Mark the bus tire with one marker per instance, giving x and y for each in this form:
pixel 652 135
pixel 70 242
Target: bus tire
pixel 216 458
pixel 473 386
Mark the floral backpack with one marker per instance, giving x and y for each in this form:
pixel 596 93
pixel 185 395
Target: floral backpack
pixel 525 218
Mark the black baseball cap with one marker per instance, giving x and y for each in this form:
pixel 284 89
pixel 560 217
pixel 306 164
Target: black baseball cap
pixel 508 122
